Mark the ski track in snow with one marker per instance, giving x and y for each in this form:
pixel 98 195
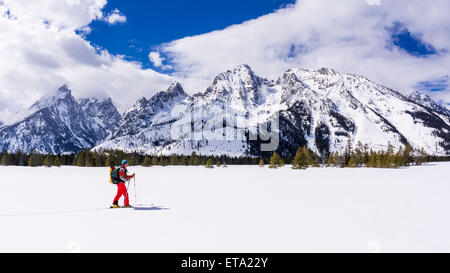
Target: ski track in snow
pixel 234 209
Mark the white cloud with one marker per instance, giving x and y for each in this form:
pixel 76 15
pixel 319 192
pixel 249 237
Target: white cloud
pixel 61 13
pixel 348 35
pixel 155 58
pixel 374 2
pixel 37 58
pixel 116 17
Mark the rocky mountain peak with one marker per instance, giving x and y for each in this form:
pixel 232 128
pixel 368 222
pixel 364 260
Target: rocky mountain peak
pixel 327 71
pixel 64 89
pixel 175 89
pixel 425 100
pixel 60 124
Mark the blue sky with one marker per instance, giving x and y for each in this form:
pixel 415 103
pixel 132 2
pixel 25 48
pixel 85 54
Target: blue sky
pixel 150 24
pixel 154 22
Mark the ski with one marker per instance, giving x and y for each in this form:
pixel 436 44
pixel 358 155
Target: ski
pixel 137 206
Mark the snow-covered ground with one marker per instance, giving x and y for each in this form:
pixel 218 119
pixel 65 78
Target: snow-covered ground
pixel 238 209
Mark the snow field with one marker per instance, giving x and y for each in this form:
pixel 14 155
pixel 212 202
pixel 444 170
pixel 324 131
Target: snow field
pixel 234 209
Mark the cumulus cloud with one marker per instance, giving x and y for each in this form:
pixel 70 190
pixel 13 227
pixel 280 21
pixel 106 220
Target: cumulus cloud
pixel 116 17
pixel 40 51
pixel 157 60
pixel 352 36
pixel 63 13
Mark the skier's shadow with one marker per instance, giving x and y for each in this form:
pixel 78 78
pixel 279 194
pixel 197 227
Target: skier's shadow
pixel 150 208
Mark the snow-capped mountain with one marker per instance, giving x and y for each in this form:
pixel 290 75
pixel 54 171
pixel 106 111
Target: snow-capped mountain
pixel 323 109
pixel 58 124
pixel 147 124
pixel 103 112
pixel 426 101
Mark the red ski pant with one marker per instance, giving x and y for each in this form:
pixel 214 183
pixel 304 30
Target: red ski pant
pixel 122 190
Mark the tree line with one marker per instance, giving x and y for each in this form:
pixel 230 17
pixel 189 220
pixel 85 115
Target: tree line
pixel 360 156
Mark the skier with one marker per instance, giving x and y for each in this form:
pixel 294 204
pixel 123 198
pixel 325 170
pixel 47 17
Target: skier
pixel 121 188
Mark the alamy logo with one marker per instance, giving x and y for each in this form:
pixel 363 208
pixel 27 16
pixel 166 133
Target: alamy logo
pixel 216 123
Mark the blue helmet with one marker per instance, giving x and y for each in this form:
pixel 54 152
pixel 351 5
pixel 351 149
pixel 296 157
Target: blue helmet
pixel 124 162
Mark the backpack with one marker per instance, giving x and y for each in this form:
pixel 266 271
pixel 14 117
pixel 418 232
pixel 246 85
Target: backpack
pixel 114 175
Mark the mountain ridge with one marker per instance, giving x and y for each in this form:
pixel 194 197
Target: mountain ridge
pixel 323 109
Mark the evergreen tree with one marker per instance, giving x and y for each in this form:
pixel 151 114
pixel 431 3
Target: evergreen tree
pixel 89 159
pixel 407 155
pixel 40 159
pixel 365 154
pixel 81 162
pixel 353 163
pixel 57 162
pixel 147 161
pixel 372 163
pixel 300 159
pixel 108 161
pixel 48 160
pixel 209 163
pixel 331 160
pixel 219 164
pixel 196 160
pixel 261 163
pixel 32 161
pixel 275 161
pixel 155 160
pixel 308 156
pixel 379 160
pixel 135 159
pixel 6 159
pixel 348 152
pixel 62 159
pixel 192 159
pixel 163 161
pixel 186 161
pixel 225 164
pixel 358 155
pixel 99 159
pixel 421 157
pixel 173 160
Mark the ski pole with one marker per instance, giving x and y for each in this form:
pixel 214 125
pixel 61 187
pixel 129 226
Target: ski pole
pixel 134 180
pixel 127 190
